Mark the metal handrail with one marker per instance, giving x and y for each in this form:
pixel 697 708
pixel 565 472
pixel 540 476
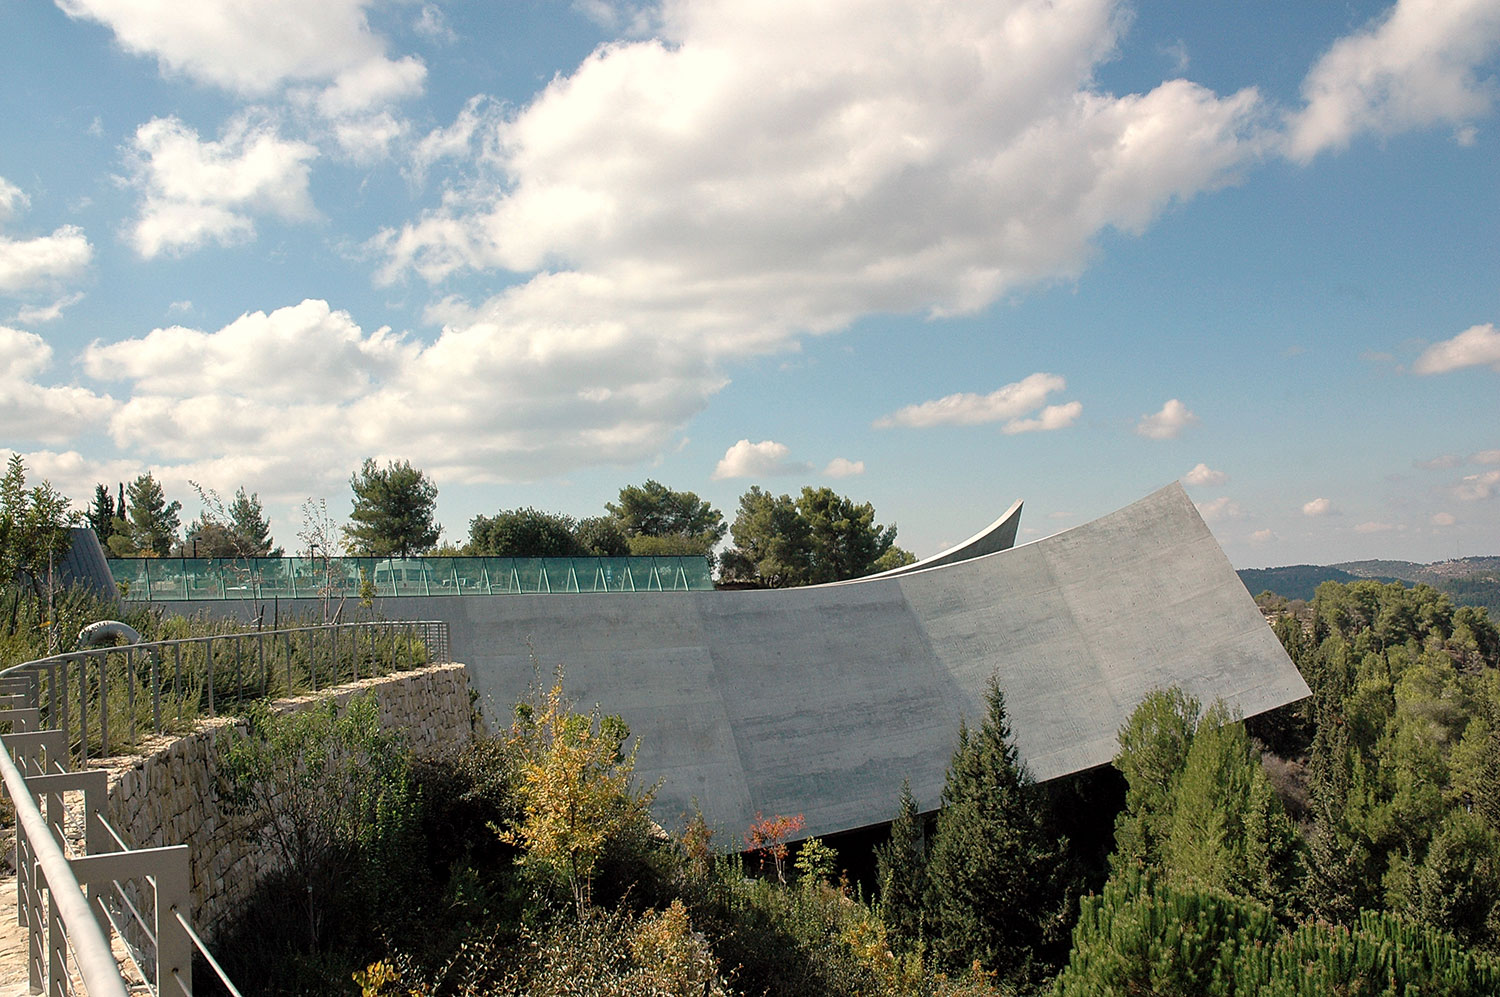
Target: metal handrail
pixel 87 664
pixel 91 952
pixel 76 922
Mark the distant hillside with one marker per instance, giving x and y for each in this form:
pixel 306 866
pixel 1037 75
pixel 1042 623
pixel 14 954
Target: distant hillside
pixel 1296 581
pixel 1468 581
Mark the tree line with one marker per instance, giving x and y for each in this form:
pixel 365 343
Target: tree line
pixel 776 540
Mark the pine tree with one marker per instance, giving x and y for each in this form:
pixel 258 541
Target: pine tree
pixel 152 523
pixel 1458 884
pixel 249 527
pixel 901 870
pixel 1154 746
pixel 393 511
pixel 998 887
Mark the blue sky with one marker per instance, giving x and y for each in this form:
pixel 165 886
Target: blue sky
pixel 937 256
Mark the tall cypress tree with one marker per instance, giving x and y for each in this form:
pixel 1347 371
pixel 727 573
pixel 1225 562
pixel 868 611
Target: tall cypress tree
pixel 901 868
pixel 999 889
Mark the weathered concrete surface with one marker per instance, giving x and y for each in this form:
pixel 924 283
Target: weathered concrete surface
pixel 821 700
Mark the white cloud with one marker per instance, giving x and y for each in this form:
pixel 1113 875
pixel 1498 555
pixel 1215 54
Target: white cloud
pixel 766 459
pixel 1443 519
pixel 1219 509
pixel 30 411
pixel 253 49
pixel 1318 507
pixel 195 192
pixel 1487 457
pixel 456 140
pixel 842 467
pixel 1167 424
pixel 1051 417
pixel 431 24
pixel 1439 463
pixel 1476 346
pixel 37 314
pixel 368 137
pixel 495 398
pixel 1475 487
pixel 1010 402
pixel 12 200
pixel 1204 475
pixel 1260 537
pixel 372 83
pixel 1375 527
pixel 1417 65
pixel 335 360
pixel 29 264
pixel 731 186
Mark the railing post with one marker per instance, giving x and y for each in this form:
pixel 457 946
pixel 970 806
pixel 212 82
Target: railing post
pixel 83 710
pixel 103 701
pixel 155 660
pixel 130 691
pixel 174 951
pixel 208 650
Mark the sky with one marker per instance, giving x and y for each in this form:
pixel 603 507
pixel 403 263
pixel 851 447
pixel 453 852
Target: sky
pixel 937 256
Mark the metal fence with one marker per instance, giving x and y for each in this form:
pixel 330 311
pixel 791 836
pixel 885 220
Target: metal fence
pixel 76 887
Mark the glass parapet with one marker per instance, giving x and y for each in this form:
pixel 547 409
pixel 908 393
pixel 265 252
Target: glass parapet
pixel 176 579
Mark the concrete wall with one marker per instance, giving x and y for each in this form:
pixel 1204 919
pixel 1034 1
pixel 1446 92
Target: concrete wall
pixel 168 797
pixel 821 700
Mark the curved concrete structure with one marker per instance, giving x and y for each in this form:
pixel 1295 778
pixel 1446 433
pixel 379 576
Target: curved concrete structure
pixel 999 535
pixel 821 700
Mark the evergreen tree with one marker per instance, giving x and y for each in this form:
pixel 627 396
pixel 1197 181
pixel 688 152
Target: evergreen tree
pixel 1458 884
pixel 998 886
pixel 152 522
pixel 901 870
pixel 393 511
pixel 1154 745
pixel 654 510
pixel 101 515
pixel 249 527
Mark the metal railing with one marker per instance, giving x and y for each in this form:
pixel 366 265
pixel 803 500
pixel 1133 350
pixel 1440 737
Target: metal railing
pixel 74 889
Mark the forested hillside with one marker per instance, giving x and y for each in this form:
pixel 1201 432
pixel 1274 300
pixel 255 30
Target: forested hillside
pixel 1372 867
pixel 1468 581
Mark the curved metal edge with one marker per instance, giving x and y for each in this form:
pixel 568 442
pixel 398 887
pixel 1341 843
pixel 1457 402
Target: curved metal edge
pixel 999 535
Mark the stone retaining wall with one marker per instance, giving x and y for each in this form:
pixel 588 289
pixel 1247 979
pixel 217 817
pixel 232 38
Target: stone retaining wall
pixel 168 797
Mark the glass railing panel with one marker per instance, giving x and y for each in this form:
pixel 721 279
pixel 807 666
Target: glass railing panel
pixel 473 578
pixel 313 577
pixel 528 575
pixel 699 577
pixel 616 572
pixel 560 576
